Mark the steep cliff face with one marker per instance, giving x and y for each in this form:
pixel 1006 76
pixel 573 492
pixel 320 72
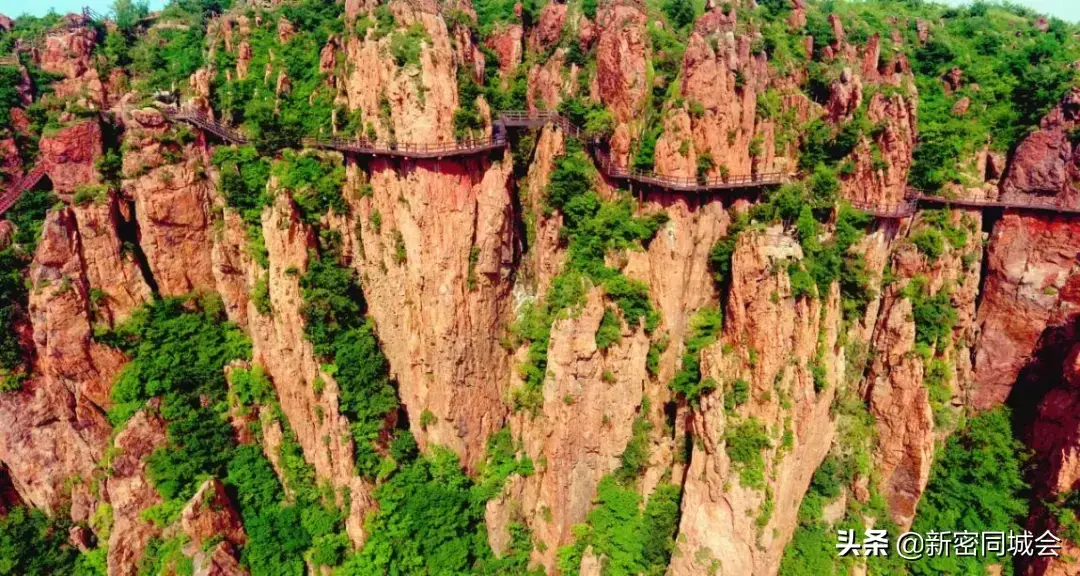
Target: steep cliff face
pixel 171 198
pixel 721 84
pixel 621 80
pixel 881 160
pixel 1054 440
pixel 544 258
pixel 435 270
pixel 591 398
pixel 280 345
pixel 56 427
pixel 1044 164
pixel 130 492
pixel 914 378
pixel 116 281
pixel 1029 286
pixel 881 164
pixel 450 251
pixel 69 154
pixel 414 103
pixel 739 513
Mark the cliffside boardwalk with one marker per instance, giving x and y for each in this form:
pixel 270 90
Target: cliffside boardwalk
pixel 497 140
pixel 26 182
pixel 609 168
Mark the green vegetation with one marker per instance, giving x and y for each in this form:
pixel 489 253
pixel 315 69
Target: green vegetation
pixel 500 462
pixel 282 532
pixel 593 227
pixel 745 443
pixel 594 118
pixel 32 544
pixel 405 46
pixel 244 174
pixel 1064 509
pixel 315 181
pixel 176 353
pixel 27 214
pixel 609 332
pixel 635 457
pixel 934 315
pixel 704 328
pixel 634 541
pixel 305 108
pixel 976 485
pixel 165 56
pixel 179 348
pixel 336 326
pixel 935 231
pixel 489 13
pixel 89 194
pixel 430 521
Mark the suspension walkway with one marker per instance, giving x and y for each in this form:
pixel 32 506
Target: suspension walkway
pixel 28 181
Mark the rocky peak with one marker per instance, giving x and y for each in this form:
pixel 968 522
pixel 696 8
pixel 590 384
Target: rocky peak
pixel 70 54
pixel 1044 164
pixel 69 155
pixel 210 515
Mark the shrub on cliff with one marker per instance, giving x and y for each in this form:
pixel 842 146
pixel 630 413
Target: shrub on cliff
pixel 704 329
pixel 176 353
pixel 244 174
pixel 632 541
pixel 32 544
pixel 427 522
pixel 315 182
pixel 976 485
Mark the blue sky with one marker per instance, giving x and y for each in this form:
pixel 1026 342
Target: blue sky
pixel 15 8
pixel 1065 9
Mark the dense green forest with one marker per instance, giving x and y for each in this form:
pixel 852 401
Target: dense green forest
pixel 430 516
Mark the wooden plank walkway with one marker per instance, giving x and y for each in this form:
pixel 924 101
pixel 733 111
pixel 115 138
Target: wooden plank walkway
pixel 207 124
pixel 614 171
pixel 1035 205
pixel 406 149
pixel 608 167
pixel 901 210
pixel 28 181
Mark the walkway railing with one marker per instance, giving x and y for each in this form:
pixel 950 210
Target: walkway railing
pixel 9 61
pixel 204 122
pixel 1036 204
pixel 407 149
pixel 526 119
pixel 901 210
pixel 683 184
pixel 28 181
